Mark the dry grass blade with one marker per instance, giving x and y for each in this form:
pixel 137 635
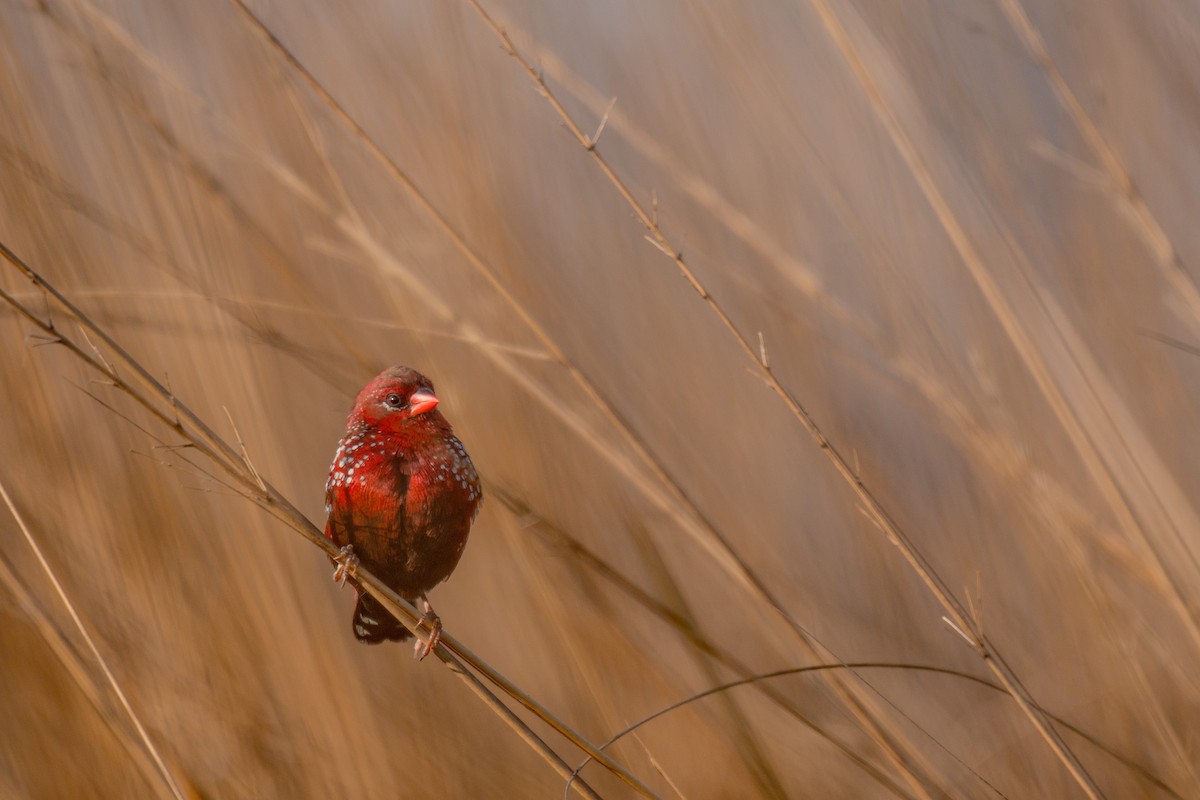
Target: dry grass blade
pixel 167 777
pixel 874 508
pixel 200 436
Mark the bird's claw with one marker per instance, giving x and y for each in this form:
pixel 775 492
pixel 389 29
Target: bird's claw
pixel 347 565
pixel 424 648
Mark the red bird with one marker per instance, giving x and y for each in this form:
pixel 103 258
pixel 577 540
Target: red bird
pixel 401 496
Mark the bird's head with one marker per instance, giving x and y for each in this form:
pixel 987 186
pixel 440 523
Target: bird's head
pixel 398 399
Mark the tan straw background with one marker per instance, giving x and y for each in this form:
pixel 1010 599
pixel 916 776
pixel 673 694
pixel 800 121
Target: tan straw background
pixel 962 233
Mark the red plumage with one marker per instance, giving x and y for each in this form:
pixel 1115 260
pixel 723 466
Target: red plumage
pixel 401 496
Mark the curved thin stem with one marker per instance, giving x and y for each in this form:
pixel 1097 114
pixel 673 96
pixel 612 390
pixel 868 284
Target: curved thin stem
pixel 1143 771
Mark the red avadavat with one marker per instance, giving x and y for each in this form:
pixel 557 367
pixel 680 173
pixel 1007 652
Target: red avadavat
pixel 401 496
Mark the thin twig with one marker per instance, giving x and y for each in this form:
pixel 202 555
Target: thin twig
pixel 242 446
pixel 600 128
pixel 107 366
pixel 174 449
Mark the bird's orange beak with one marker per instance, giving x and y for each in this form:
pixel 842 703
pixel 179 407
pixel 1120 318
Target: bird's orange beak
pixel 421 401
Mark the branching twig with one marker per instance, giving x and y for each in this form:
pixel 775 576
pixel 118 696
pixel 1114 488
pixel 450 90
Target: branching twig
pixel 241 445
pixel 592 142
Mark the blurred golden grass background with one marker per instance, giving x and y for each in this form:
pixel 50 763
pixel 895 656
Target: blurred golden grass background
pixel 965 232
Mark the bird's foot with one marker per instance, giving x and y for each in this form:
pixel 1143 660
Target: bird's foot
pixel 430 618
pixel 347 565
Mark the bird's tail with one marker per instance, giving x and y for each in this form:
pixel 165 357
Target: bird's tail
pixel 373 624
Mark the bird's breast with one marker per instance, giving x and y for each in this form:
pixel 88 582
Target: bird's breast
pixel 446 478
pixel 367 471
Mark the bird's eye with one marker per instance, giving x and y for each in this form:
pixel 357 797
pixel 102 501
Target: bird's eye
pixel 394 400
